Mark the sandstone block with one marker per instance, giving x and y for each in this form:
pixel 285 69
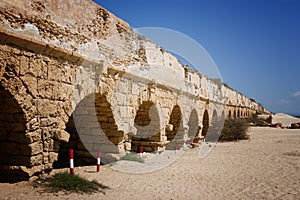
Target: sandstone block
pixel 32 170
pixel 116 140
pixel 127 146
pixel 61 135
pixel 53 156
pixel 169 127
pixel 33 124
pixel 48 108
pixel 121 99
pixel 30 83
pixel 31 149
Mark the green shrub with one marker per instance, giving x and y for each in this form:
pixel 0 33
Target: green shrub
pixel 132 157
pixel 64 181
pixel 234 129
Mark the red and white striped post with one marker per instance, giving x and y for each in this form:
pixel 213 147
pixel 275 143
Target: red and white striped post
pixel 71 155
pixel 141 151
pixel 98 161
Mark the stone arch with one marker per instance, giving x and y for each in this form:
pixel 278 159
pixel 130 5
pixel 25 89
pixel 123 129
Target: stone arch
pixel 174 132
pixel 234 114
pixel 205 123
pixel 229 114
pixel 15 148
pixel 215 118
pixel 194 128
pixel 193 124
pixel 92 128
pixel 222 116
pixel 175 122
pixel 147 124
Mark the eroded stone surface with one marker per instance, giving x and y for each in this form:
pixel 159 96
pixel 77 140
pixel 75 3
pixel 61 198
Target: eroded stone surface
pixel 84 80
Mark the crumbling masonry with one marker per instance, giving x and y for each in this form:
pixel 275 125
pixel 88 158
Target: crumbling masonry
pixel 72 75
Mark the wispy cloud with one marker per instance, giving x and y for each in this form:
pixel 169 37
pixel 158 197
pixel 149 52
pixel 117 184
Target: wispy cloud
pixel 284 101
pixel 296 94
pixel 290 99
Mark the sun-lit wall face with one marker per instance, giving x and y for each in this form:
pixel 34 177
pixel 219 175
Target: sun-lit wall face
pixel 90 83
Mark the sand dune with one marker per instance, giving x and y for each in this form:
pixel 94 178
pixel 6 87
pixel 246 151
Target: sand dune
pixel 285 119
pixel 265 167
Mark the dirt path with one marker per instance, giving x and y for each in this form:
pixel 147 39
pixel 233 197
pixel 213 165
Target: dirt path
pixel 264 167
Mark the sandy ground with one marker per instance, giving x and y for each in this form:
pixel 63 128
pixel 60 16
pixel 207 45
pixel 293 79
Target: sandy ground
pixel 264 167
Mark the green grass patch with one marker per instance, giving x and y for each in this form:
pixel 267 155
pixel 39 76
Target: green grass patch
pixel 132 157
pixel 64 181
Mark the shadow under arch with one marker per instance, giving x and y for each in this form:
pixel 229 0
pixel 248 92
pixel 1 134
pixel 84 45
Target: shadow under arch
pixel 229 114
pixel 92 128
pixel 205 123
pixel 14 145
pixel 147 123
pixel 174 131
pixel 215 118
pixel 223 117
pixel 216 127
pixel 193 133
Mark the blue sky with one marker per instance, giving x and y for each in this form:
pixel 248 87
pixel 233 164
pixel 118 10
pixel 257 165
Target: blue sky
pixel 255 43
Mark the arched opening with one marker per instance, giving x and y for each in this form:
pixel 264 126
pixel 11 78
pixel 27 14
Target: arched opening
pixel 92 128
pixel 234 114
pixel 205 123
pixel 175 122
pixel 193 125
pixel 229 114
pixel 193 133
pixel 14 145
pixel 174 132
pixel 147 124
pixel 238 114
pixel 215 119
pixel 222 117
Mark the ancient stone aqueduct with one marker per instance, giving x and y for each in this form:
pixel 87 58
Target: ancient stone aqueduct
pixel 62 76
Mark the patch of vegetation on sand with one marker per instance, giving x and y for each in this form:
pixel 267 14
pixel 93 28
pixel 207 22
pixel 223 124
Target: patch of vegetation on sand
pixel 235 129
pixel 132 157
pixel 65 182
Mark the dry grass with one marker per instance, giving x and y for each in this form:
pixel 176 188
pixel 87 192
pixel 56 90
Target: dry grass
pixel 235 129
pixel 67 183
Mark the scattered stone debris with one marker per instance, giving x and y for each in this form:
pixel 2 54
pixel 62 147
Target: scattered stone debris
pixel 295 126
pixel 276 125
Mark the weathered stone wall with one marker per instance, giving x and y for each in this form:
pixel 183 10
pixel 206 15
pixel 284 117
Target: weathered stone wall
pixel 35 102
pixel 83 80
